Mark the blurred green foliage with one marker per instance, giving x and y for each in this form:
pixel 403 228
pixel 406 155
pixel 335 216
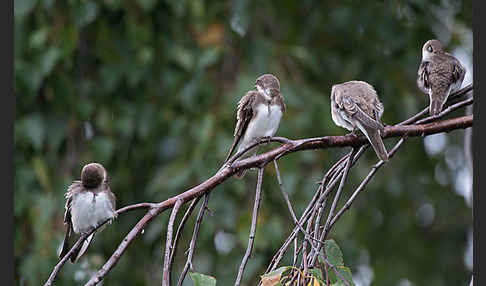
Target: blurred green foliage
pixel 149 89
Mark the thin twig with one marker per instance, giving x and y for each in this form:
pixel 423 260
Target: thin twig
pixel 289 205
pixel 254 220
pixel 364 182
pixel 64 259
pixel 334 204
pixel 336 271
pixel 192 244
pixel 296 252
pixel 168 244
pixel 189 210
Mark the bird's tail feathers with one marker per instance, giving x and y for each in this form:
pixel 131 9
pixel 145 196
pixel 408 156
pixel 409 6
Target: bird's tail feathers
pixel 437 101
pixel 233 146
pixel 374 137
pixel 435 106
pixel 78 253
pixel 65 243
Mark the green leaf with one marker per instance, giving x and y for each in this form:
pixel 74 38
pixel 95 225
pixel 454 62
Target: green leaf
pixel 202 280
pixel 316 273
pixel 333 253
pixel 344 272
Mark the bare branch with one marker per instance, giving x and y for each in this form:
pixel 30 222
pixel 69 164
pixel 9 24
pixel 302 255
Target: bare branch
pixel 289 205
pixel 181 226
pixel 168 244
pixel 192 244
pixel 254 220
pixel 364 182
pixel 65 258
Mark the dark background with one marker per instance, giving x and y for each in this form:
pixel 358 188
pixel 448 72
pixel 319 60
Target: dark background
pixel 149 89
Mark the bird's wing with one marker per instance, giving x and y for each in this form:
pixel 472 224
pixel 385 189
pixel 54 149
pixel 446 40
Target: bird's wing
pixel 282 104
pixel 73 188
pixel 111 198
pixel 354 110
pixel 243 116
pixel 458 72
pixel 423 77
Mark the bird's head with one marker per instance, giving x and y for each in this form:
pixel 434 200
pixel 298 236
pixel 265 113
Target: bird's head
pixel 431 47
pixel 92 175
pixel 268 84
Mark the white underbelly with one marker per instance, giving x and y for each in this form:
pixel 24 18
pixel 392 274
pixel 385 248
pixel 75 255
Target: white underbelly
pixel 89 210
pixel 264 124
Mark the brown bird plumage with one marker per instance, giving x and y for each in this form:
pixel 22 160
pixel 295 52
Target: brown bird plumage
pixel 439 75
pixel 355 104
pixel 89 202
pixel 258 115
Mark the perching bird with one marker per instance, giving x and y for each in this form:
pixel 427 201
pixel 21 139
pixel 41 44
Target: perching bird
pixel 355 104
pixel 89 203
pixel 439 75
pixel 258 114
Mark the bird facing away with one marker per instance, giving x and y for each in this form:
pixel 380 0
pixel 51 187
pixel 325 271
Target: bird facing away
pixel 355 104
pixel 258 115
pixel 439 75
pixel 89 203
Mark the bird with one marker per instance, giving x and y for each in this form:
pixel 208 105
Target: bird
pixel 89 203
pixel 258 115
pixel 355 105
pixel 439 75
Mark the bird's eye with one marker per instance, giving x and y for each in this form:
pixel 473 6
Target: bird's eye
pixel 429 48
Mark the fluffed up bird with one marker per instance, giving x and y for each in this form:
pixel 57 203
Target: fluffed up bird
pixel 355 104
pixel 439 75
pixel 258 115
pixel 89 203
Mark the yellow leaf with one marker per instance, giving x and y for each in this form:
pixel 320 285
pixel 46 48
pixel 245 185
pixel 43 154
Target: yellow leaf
pixel 271 280
pixel 313 282
pixel 273 277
